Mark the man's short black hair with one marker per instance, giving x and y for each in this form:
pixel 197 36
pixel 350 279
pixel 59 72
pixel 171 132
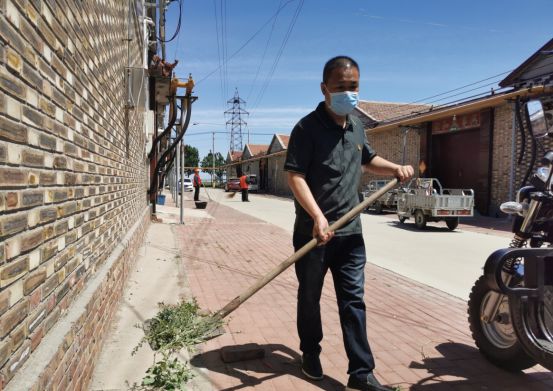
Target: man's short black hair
pixel 338 62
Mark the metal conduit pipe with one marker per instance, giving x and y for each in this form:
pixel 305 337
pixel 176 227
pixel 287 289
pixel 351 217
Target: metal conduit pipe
pixel 161 161
pixel 169 161
pixel 172 119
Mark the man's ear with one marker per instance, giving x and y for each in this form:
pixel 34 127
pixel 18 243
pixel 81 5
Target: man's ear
pixel 323 88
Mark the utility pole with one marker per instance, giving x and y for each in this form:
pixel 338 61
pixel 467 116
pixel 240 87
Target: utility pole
pixel 162 27
pixel 180 152
pixel 213 159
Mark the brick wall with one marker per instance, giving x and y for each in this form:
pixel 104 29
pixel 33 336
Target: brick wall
pixel 72 165
pixel 389 145
pixel 502 158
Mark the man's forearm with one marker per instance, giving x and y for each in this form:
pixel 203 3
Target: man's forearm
pixel 381 166
pixel 303 194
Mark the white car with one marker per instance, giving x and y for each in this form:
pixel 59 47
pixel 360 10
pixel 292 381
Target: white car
pixel 187 182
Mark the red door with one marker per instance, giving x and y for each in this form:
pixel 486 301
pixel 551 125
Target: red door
pixel 456 159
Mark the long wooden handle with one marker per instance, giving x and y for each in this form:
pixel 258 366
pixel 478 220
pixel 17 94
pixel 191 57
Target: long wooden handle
pixel 238 300
pixel 206 192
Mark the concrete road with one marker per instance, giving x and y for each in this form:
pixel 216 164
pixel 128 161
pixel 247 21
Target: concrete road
pixel 449 261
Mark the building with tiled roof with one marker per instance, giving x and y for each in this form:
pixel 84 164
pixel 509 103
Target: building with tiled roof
pixel 234 156
pixel 373 113
pixel 254 150
pixel 278 143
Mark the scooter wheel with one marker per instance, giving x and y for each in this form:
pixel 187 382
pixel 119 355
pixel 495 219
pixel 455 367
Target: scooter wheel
pixel 533 323
pixel 496 340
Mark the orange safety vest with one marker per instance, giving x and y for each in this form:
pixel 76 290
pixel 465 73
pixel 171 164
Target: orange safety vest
pixel 243 183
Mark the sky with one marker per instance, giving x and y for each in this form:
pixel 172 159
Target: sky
pixel 275 50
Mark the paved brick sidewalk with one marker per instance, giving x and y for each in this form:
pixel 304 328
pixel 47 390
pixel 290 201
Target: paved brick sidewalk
pixel 419 335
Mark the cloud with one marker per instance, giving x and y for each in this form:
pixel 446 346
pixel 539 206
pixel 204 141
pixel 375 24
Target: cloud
pixel 433 24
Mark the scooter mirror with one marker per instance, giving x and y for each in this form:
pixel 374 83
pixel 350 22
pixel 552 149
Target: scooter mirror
pixel 537 118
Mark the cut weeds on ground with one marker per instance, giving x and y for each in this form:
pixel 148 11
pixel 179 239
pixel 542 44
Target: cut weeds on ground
pixel 174 327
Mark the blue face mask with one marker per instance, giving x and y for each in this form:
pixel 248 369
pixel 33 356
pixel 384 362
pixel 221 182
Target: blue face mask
pixel 343 103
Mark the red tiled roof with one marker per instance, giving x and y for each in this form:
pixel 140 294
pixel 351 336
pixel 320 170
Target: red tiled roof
pixel 236 155
pixel 384 111
pixel 283 140
pixel 258 149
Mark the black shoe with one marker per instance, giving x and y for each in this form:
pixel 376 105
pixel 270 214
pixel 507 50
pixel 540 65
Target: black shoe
pixel 371 384
pixel 311 366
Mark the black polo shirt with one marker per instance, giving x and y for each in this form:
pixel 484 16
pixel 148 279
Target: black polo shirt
pixel 330 157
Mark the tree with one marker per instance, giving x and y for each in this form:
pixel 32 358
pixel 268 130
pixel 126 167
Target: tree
pixel 207 164
pixel 191 158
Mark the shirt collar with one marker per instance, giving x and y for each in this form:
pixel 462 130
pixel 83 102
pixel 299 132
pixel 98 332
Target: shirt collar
pixel 327 120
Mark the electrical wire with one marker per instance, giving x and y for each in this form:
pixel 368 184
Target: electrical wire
pixel 223 99
pixel 464 92
pixel 468 98
pixel 224 31
pixel 222 132
pixel 546 64
pixel 263 56
pixel 460 88
pixel 279 54
pixel 178 39
pixel 178 26
pixel 247 41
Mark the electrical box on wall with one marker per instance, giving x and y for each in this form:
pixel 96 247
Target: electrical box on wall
pixel 138 87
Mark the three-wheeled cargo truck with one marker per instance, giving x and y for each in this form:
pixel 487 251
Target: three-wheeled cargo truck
pixel 387 202
pixel 426 200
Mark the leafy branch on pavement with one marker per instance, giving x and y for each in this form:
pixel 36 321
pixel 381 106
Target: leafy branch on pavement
pixel 174 327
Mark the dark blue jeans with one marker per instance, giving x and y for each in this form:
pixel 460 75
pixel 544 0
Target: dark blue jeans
pixel 345 257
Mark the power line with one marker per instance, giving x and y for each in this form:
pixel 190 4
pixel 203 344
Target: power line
pixel 219 53
pixel 263 56
pixel 464 92
pixel 460 88
pixel 247 42
pixel 228 133
pixel 177 31
pixel 279 54
pixel 474 83
pixel 222 15
pixel 467 98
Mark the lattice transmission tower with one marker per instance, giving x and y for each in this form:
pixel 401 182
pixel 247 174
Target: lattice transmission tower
pixel 236 123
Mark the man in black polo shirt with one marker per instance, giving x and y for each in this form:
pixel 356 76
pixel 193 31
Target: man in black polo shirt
pixel 326 153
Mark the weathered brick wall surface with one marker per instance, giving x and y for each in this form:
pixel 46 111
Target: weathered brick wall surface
pixel 505 167
pixel 72 163
pixel 389 145
pixel 502 158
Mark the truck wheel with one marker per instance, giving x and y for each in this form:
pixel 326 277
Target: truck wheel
pixel 378 207
pixel 402 219
pixel 452 223
pixel 420 219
